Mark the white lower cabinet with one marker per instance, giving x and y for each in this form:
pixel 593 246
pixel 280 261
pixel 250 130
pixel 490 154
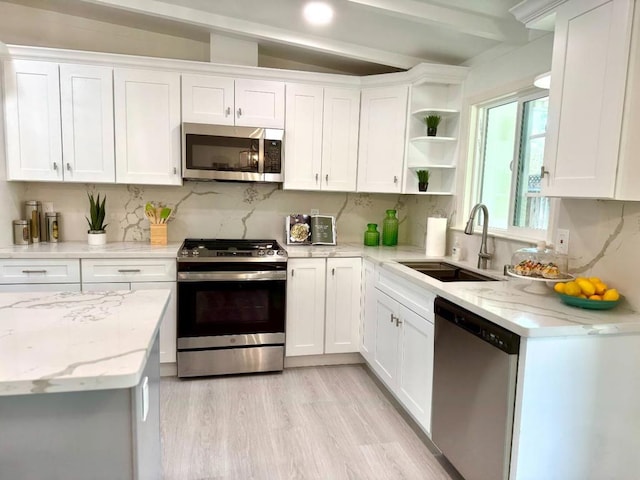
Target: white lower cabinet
pixel 397 343
pixel 138 274
pixel 323 306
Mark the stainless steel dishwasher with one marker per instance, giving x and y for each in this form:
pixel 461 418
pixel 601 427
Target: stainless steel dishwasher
pixel 474 385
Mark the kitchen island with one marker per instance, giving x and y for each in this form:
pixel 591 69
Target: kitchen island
pixel 79 376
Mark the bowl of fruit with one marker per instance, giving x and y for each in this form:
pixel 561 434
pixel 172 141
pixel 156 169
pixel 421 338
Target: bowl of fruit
pixel 591 293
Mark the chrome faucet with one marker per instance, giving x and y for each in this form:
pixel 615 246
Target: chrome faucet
pixel 483 255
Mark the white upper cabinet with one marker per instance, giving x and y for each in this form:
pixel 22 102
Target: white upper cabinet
pixel 32 108
pixel 383 118
pixel 208 99
pixel 225 101
pixel 59 122
pixel 86 101
pixel 321 145
pixel 147 120
pixel 587 99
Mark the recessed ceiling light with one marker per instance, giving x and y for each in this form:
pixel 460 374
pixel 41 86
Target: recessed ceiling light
pixel 318 13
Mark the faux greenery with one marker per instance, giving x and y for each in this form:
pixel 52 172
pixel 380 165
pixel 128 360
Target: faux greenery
pixel 97 213
pixel 423 176
pixel 432 121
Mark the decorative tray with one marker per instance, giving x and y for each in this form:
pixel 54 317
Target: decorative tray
pixel 588 304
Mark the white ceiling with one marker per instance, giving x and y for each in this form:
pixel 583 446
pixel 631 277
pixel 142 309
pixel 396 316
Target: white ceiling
pixel 367 36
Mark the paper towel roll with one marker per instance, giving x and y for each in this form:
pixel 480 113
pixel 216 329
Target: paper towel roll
pixel 436 237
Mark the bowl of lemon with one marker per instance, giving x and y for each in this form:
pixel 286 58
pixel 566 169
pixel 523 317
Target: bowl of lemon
pixel 591 293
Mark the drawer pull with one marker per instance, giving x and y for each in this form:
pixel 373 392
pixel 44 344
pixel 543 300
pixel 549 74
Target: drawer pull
pixel 34 271
pixel 129 270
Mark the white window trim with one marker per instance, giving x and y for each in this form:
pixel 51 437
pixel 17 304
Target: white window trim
pixel 471 177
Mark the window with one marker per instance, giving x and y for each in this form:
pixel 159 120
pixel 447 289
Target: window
pixel 508 158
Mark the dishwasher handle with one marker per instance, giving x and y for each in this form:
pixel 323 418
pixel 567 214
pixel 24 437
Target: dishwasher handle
pixel 480 327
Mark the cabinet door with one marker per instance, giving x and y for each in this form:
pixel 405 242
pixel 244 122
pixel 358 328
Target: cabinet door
pixel 168 327
pixel 342 316
pixel 86 102
pixel 385 355
pixel 340 139
pixel 259 103
pixel 415 372
pixel 382 137
pixel 147 119
pixel 303 141
pixel 305 307
pixel 589 71
pixel 207 99
pixel 368 333
pixel 32 108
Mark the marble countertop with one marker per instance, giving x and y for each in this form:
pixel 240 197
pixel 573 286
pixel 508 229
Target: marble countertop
pixel 67 342
pixel 83 250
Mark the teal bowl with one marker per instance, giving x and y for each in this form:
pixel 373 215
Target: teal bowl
pixel 589 304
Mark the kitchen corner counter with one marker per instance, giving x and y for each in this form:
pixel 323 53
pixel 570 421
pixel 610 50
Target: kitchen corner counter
pixel 73 342
pixel 83 250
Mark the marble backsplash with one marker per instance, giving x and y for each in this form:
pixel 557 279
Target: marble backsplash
pixel 231 210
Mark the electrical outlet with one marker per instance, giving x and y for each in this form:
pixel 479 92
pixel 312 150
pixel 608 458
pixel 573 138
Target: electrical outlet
pixel 562 245
pixel 315 211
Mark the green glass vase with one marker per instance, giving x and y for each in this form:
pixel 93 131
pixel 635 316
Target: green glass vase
pixel 372 235
pixel 390 229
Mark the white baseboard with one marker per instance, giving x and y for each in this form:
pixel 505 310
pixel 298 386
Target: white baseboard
pixel 316 360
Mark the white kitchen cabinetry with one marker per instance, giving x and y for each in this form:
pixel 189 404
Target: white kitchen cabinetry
pixel 27 275
pixel 383 117
pixel 368 314
pixel 59 122
pixel 402 343
pixel 147 127
pixel 437 154
pixel 139 274
pixel 593 102
pixel 225 101
pixel 323 306
pixel 321 147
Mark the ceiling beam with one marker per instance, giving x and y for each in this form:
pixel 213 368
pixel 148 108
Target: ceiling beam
pixel 476 24
pixel 260 31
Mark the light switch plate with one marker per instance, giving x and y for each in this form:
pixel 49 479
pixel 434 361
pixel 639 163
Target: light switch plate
pixel 562 245
pixel 315 211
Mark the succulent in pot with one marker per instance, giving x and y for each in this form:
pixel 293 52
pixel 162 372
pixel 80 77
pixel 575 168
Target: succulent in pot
pixel 423 180
pixel 97 212
pixel 432 122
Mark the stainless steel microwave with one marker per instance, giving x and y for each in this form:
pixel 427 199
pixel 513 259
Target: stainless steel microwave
pixel 220 152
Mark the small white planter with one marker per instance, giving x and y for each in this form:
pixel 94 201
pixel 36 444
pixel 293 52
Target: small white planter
pixel 97 238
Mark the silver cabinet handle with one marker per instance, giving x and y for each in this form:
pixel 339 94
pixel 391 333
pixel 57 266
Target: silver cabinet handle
pixel 292 270
pixel 129 270
pixel 395 179
pixel 34 271
pixel 317 178
pixel 239 112
pixel 68 167
pixel 55 166
pixel 398 321
pixel 326 178
pixel 543 172
pixel 175 170
pixel 333 272
pixel 227 112
pixel 393 317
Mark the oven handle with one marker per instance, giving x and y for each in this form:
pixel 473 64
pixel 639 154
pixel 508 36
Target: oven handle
pixel 231 276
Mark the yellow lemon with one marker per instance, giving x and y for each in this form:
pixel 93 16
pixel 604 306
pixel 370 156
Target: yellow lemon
pixel 611 295
pixel 582 295
pixel 586 287
pixel 595 280
pixel 601 287
pixel 580 278
pixel 595 297
pixel 572 288
pixel 559 287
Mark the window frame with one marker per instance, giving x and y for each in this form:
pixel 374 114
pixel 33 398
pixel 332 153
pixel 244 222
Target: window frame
pixel 475 163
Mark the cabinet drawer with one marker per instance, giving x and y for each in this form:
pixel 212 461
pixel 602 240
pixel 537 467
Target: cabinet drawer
pixel 418 299
pixel 125 270
pixel 29 271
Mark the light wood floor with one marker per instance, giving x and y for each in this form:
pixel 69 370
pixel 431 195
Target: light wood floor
pixel 327 423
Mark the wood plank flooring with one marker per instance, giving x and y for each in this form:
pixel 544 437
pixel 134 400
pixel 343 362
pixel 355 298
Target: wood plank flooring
pixel 327 423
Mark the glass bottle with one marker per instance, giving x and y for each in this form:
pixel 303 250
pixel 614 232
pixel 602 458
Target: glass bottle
pixel 390 229
pixel 372 235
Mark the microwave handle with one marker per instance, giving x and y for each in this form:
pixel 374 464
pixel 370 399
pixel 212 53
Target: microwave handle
pixel 261 155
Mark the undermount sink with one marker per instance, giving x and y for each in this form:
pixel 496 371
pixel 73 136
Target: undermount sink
pixel 446 272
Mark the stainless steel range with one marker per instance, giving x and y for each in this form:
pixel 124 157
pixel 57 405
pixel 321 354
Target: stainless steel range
pixel 231 306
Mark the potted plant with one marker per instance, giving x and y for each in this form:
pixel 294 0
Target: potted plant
pixel 432 122
pixel 96 234
pixel 423 180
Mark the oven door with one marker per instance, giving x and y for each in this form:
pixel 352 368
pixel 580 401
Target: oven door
pixel 215 305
